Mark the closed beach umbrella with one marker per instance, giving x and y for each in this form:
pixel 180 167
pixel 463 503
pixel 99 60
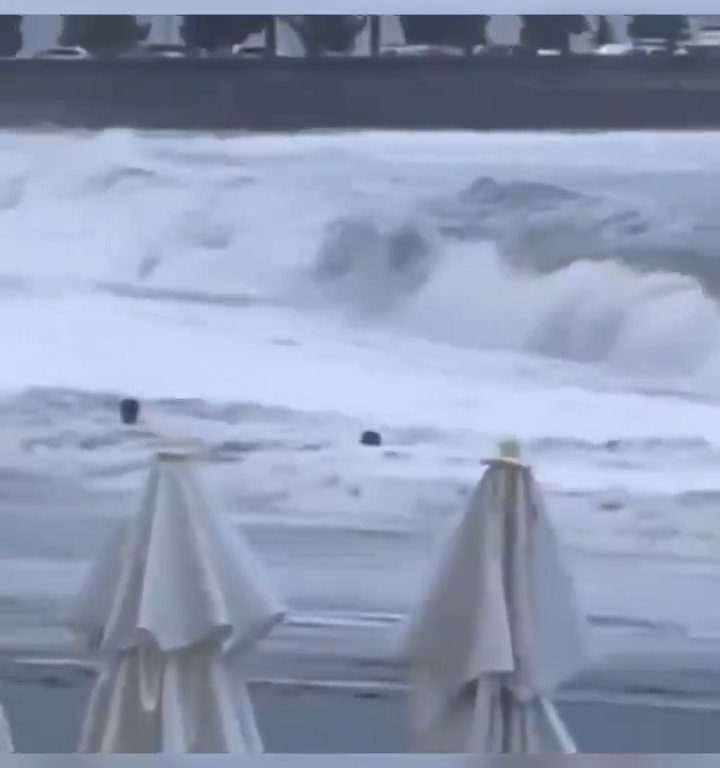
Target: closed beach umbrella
pixel 173 602
pixel 499 628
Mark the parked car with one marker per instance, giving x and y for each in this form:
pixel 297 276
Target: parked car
pixel 421 50
pixel 639 47
pixel 243 49
pixel 654 47
pixel 495 49
pixel 706 43
pixel 164 50
pixel 614 49
pixel 64 52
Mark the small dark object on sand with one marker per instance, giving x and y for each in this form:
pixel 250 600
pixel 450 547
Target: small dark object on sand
pixel 129 410
pixel 370 437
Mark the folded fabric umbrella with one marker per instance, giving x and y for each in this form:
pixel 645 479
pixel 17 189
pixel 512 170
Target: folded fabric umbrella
pixel 172 603
pixel 499 628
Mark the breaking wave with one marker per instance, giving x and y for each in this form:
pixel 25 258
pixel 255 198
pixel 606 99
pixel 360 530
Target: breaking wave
pixel 568 264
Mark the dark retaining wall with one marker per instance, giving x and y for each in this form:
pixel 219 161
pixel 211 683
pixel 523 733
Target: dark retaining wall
pixel 283 94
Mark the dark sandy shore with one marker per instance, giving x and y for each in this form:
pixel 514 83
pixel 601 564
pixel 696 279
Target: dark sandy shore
pixel 44 704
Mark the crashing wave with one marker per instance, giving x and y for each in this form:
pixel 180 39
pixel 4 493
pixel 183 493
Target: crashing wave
pixel 372 266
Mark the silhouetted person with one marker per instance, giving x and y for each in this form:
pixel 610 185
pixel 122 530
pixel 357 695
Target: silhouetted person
pixel 129 410
pixel 372 438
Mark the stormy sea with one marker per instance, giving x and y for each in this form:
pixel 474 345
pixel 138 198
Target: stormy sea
pixel 276 296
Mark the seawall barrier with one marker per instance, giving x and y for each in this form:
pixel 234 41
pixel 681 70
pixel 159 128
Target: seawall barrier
pixel 293 94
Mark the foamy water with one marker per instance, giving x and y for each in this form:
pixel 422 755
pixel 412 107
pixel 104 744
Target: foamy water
pixel 449 289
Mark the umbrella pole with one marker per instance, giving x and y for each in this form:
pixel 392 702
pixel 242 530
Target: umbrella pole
pixel 565 740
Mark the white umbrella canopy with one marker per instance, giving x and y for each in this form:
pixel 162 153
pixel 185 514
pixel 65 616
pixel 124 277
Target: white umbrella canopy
pixel 498 629
pixel 173 601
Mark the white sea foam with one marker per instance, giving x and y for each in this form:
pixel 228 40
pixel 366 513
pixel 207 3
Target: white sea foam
pixel 233 269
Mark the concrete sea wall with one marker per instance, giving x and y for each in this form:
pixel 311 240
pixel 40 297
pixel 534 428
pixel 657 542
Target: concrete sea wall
pixel 288 94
